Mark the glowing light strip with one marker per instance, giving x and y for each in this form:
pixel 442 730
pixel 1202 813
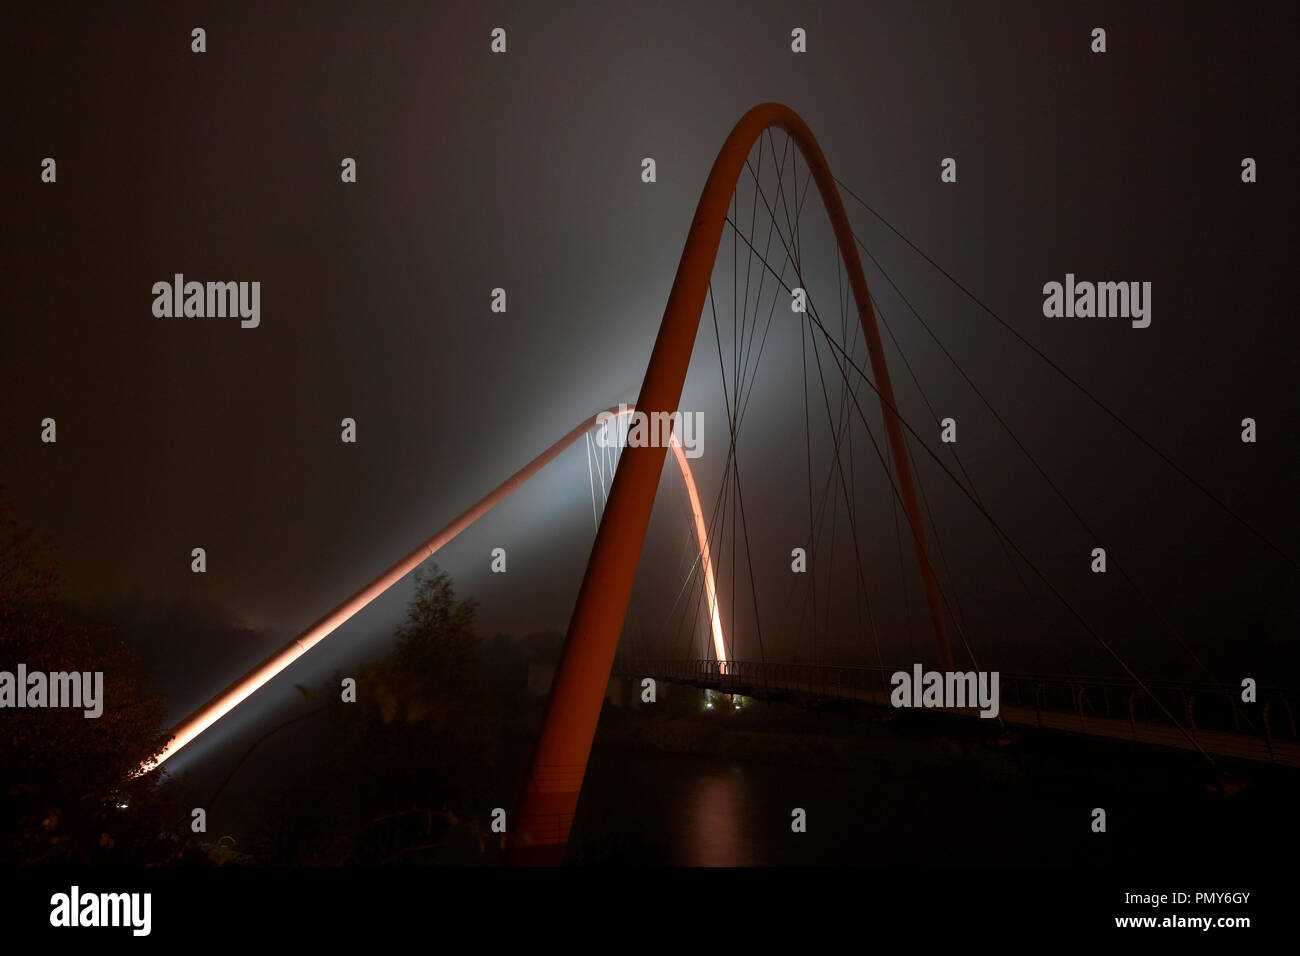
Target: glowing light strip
pixel 702 536
pixel 254 680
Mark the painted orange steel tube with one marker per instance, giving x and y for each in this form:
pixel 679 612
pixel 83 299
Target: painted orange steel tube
pixel 230 698
pixel 559 762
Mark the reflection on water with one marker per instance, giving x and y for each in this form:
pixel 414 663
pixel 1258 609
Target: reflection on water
pixel 660 808
pixel 714 821
pixel 923 802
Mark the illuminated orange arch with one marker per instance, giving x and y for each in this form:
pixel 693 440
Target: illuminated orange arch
pixel 559 762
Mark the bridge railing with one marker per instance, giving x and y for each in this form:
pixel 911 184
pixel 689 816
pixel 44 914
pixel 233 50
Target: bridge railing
pixel 1199 707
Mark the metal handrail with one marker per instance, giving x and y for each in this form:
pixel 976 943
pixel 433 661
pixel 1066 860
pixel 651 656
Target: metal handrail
pixel 1205 706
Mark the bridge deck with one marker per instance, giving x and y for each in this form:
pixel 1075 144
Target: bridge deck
pixel 1263 732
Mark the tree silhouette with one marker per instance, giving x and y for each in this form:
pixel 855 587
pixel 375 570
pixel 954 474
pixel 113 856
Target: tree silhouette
pixel 408 766
pixel 68 794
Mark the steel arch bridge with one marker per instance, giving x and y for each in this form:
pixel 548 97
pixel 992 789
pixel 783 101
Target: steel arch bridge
pixel 555 775
pixel 541 824
pixel 556 772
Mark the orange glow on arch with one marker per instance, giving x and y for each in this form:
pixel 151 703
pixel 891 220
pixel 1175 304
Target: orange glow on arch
pixel 701 539
pixel 706 561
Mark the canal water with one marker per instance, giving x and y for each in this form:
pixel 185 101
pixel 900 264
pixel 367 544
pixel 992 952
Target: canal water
pixel 925 793
pixel 676 784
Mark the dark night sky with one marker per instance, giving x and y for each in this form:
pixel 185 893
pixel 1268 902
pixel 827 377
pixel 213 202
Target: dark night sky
pixel 522 171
